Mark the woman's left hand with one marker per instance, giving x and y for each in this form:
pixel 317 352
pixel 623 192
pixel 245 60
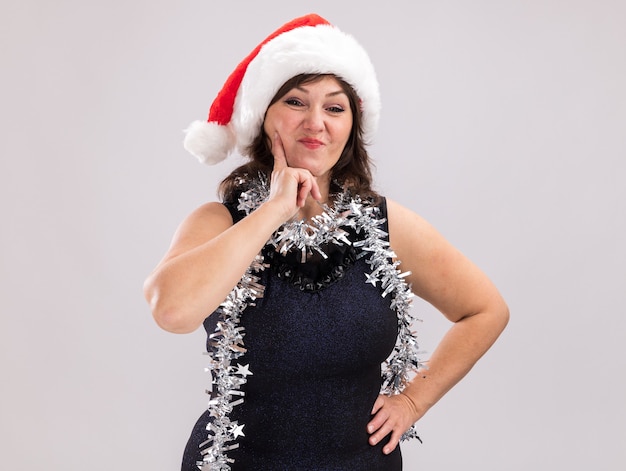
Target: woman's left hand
pixel 392 414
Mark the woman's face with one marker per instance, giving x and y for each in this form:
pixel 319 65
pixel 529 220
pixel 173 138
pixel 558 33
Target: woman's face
pixel 313 121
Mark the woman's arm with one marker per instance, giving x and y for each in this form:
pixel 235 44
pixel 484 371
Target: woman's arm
pixel 206 259
pixel 444 277
pixel 209 254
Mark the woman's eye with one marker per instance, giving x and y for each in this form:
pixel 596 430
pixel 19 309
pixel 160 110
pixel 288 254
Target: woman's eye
pixel 335 109
pixel 293 102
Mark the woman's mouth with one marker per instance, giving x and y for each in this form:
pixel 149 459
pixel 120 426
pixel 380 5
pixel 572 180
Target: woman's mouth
pixel 311 143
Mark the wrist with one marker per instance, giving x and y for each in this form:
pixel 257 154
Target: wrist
pixel 416 409
pixel 275 213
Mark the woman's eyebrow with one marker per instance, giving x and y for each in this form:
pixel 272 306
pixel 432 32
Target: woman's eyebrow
pixel 338 92
pixel 331 94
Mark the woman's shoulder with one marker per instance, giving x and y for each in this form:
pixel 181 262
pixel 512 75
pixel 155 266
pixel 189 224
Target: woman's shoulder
pixel 400 216
pixel 209 213
pixel 205 222
pixel 409 234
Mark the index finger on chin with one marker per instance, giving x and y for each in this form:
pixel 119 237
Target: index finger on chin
pixel 278 152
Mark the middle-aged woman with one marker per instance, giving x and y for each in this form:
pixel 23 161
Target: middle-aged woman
pixel 308 299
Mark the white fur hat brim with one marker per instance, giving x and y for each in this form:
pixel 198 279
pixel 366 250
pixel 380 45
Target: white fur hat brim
pixel 321 49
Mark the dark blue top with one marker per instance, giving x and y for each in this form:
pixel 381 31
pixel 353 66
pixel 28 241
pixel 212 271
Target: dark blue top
pixel 315 343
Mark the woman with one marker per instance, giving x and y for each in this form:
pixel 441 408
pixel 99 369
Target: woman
pixel 308 299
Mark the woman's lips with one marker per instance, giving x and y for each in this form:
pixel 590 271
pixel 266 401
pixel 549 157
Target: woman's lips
pixel 311 143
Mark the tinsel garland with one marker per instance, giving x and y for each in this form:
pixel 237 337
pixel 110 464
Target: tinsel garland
pixel 307 238
pixel 227 343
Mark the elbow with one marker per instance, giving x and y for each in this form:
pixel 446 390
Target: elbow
pixel 172 320
pixel 502 314
pixel 494 317
pixel 167 316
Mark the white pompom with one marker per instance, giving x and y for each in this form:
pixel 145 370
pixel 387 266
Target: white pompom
pixel 210 143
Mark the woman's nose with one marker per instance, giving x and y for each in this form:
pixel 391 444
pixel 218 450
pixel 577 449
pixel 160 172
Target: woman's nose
pixel 314 120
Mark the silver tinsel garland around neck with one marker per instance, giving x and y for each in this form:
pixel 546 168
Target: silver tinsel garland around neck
pixel 228 376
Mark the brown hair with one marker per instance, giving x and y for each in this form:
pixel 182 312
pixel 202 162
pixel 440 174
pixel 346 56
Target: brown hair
pixel 352 170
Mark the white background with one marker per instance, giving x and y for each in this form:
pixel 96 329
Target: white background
pixel 503 123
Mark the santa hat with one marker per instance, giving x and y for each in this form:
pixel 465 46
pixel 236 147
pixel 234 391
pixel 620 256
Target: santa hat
pixel 305 45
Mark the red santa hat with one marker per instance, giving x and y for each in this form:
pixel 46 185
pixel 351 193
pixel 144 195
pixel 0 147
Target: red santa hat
pixel 305 45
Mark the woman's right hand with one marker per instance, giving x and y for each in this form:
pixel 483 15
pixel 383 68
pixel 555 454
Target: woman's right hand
pixel 290 186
